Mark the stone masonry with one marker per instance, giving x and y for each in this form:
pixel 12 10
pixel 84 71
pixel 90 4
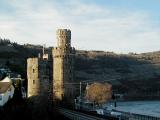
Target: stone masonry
pixel 63 56
pixel 38 78
pixel 51 78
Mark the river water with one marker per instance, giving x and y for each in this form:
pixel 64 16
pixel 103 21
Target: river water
pixel 151 108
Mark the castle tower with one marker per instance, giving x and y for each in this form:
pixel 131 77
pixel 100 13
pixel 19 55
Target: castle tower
pixel 32 75
pixel 38 78
pixel 63 59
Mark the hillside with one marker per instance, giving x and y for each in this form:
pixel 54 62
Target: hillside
pixel 14 55
pixel 129 73
pixel 106 65
pixel 134 75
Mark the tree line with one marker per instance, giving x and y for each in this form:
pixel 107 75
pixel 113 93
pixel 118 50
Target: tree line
pixel 4 41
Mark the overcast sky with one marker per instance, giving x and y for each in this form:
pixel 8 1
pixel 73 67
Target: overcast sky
pixel 120 26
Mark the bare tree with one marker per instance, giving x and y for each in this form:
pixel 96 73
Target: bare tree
pixel 98 93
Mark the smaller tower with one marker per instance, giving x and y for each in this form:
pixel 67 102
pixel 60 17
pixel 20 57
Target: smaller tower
pixel 38 74
pixel 33 77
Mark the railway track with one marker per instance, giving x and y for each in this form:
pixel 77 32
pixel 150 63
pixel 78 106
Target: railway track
pixel 75 115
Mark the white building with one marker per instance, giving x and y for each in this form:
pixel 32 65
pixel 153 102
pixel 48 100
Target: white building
pixel 6 90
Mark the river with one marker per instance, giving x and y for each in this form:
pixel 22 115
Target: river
pixel 151 108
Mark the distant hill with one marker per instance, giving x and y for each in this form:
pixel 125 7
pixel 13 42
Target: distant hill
pixel 14 55
pixel 137 76
pixel 129 73
pixel 108 65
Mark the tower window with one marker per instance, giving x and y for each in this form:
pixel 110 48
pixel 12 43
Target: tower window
pixel 33 82
pixel 33 70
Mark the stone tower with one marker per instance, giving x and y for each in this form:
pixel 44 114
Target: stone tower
pixel 63 60
pixel 38 78
pixel 32 75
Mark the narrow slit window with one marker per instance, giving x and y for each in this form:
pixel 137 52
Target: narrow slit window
pixel 33 82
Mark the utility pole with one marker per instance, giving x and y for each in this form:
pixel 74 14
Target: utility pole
pixel 80 88
pixel 87 90
pixel 44 48
pixel 80 92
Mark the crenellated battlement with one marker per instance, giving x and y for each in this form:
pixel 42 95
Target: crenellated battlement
pixel 65 32
pixel 63 37
pixel 58 51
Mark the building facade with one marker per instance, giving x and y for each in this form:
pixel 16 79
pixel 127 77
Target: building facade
pixel 6 91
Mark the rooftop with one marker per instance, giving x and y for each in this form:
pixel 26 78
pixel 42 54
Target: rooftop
pixel 4 86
